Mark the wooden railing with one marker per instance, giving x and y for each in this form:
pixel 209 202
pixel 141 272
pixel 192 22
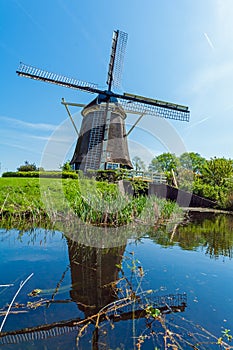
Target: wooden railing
pixel 148 176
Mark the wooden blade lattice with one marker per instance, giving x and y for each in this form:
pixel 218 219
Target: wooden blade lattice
pixel 158 111
pixel 49 77
pixel 115 70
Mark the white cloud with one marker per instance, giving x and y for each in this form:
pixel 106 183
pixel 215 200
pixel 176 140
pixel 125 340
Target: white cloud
pixel 20 147
pixel 36 126
pixel 64 139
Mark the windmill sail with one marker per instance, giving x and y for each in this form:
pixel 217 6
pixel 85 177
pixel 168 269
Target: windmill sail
pixel 119 42
pixel 28 71
pixel 156 110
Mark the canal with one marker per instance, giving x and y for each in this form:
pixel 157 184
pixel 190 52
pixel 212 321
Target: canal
pixel 146 288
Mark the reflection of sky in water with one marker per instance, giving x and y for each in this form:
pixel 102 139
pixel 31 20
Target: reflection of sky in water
pixel 207 280
pixel 35 245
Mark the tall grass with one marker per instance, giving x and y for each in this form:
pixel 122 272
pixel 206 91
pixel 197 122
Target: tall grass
pixel 160 209
pixel 101 203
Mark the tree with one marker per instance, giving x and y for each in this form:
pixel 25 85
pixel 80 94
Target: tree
pixel 216 181
pixel 27 167
pixel 192 161
pixel 217 171
pixel 165 162
pixel 66 166
pixel 185 179
pixel 138 164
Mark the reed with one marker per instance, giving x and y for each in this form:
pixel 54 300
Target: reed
pixel 12 301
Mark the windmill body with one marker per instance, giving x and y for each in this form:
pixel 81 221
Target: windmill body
pixel 97 147
pixel 102 140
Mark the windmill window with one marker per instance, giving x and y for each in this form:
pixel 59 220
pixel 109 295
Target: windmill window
pixel 112 166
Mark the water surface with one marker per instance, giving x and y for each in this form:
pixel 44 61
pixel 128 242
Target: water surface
pixel 188 267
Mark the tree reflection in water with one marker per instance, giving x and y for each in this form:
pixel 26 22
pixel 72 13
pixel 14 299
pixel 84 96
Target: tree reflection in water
pixel 213 233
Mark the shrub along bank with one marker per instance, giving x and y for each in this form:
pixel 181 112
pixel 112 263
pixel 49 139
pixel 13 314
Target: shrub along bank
pixel 42 174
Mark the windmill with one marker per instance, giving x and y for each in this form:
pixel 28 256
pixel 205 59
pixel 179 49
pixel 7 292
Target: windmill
pixel 102 139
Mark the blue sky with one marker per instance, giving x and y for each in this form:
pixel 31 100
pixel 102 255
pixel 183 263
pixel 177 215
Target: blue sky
pixel 178 50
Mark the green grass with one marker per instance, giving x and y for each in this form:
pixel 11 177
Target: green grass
pixel 19 195
pixel 98 203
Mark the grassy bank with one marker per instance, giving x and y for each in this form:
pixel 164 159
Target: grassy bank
pixel 94 202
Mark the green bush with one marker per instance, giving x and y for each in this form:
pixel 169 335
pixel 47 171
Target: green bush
pixel 110 175
pixel 223 195
pixel 27 167
pixel 206 190
pixel 140 187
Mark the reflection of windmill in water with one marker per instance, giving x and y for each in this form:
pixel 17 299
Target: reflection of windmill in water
pixel 95 288
pixel 94 275
pixel 102 140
